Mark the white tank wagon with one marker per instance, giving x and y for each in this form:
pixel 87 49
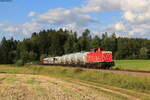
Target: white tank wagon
pixel 68 59
pixel 47 60
pixel 81 58
pixel 51 60
pixel 56 60
pixel 63 59
pixel 75 58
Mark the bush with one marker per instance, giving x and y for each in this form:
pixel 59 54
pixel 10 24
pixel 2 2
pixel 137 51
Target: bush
pixel 31 63
pixel 19 62
pixel 78 70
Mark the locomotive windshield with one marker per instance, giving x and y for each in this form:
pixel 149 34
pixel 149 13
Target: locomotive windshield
pixel 99 49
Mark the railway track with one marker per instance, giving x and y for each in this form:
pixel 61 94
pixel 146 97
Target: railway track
pixel 107 70
pixel 139 71
pixel 120 70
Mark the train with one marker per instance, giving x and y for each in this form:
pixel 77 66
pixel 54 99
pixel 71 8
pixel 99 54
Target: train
pixel 97 58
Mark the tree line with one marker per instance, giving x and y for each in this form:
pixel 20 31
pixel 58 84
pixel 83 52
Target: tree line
pixel 58 42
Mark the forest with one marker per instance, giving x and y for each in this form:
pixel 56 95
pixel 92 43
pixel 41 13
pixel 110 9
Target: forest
pixel 52 42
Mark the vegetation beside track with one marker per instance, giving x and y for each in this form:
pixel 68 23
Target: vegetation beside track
pixel 133 64
pixel 139 83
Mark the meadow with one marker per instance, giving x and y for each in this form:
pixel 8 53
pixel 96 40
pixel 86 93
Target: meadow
pixel 132 81
pixel 38 87
pixel 132 84
pixel 133 64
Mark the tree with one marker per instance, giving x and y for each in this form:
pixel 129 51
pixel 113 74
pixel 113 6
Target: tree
pixel 70 44
pixel 143 53
pixel 104 36
pixel 95 42
pixel 84 41
pixel 8 51
pixel 58 42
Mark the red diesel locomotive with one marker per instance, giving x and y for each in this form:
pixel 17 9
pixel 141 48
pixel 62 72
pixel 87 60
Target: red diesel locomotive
pixel 97 58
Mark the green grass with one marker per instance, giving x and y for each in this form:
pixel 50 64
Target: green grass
pixel 133 64
pixel 128 81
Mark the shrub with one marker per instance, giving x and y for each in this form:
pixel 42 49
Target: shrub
pixel 78 70
pixel 19 62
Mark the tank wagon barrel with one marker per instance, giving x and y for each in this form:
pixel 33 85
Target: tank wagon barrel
pixel 97 58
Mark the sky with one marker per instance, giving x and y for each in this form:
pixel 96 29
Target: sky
pixel 127 18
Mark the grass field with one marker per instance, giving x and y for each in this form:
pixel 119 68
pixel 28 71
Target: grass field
pixel 136 85
pixel 36 87
pixel 133 64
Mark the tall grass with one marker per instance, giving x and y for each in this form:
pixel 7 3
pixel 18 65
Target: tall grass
pixel 136 82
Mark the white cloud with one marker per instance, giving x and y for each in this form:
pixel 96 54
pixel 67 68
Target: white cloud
pixel 135 18
pixel 136 31
pixel 119 26
pixel 32 13
pixel 72 26
pixel 61 16
pixel 109 5
pixel 1 25
pixel 25 29
pixel 135 14
pixel 101 5
pixel 28 28
pixel 136 11
pixel 129 16
pixel 142 29
pixel 134 5
pixel 11 29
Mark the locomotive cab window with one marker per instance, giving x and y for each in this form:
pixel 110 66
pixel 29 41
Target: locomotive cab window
pixel 99 49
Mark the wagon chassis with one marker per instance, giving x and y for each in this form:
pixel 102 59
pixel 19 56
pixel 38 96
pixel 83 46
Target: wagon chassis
pixel 95 65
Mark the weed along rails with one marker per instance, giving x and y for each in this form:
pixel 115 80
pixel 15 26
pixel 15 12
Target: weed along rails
pixel 96 58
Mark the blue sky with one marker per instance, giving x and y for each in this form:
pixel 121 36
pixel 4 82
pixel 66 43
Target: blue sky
pixel 128 18
pixel 17 10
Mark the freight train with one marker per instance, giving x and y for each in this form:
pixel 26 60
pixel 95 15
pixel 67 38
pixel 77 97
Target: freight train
pixel 96 58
